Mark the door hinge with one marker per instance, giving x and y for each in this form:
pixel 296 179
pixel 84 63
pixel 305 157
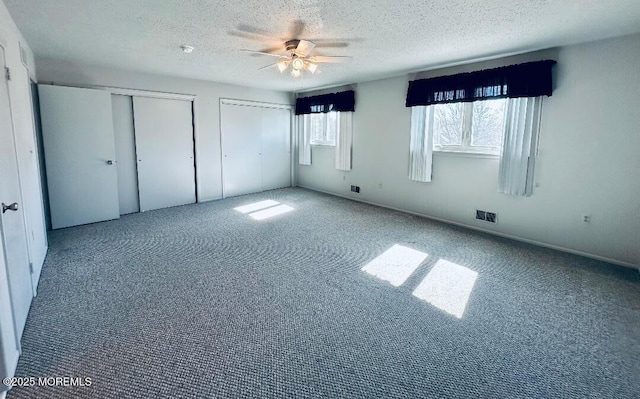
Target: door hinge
pixel 7 73
pixel 31 267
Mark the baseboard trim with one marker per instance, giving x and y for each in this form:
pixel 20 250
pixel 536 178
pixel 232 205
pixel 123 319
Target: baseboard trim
pixel 476 228
pixel 202 201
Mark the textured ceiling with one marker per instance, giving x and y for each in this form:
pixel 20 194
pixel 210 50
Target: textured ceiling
pixel 385 37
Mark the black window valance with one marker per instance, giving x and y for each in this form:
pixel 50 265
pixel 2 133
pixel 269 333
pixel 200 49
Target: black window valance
pixel 344 101
pixel 531 79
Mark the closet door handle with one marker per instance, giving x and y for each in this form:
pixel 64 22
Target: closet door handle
pixel 10 207
pixel 109 162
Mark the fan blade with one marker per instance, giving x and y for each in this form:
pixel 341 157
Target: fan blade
pixel 320 59
pixel 296 28
pixel 268 66
pixel 332 45
pixel 250 36
pixel 263 53
pixel 272 50
pixel 252 30
pixel 318 41
pixel 304 48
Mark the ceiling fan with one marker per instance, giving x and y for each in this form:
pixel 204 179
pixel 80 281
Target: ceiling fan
pixel 299 58
pixel 298 53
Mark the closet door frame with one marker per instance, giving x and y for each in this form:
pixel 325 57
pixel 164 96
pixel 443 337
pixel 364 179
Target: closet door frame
pixel 258 104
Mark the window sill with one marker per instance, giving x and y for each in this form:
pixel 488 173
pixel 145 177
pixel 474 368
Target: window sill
pixel 323 145
pixel 461 154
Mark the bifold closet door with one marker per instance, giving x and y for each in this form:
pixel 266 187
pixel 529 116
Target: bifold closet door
pixel 256 148
pixel 241 149
pixel 77 129
pixel 164 150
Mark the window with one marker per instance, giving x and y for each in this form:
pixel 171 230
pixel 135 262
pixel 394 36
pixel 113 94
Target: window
pixel 472 127
pixel 324 128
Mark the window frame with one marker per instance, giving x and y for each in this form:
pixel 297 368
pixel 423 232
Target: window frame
pixel 326 143
pixel 467 130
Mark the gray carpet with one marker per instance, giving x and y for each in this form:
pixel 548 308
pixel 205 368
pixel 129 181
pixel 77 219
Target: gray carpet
pixel 202 301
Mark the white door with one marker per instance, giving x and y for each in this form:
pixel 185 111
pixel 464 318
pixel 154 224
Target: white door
pixel 9 349
pixel 276 148
pixel 27 156
pixel 164 148
pixel 241 130
pixel 125 153
pixel 12 225
pixel 77 128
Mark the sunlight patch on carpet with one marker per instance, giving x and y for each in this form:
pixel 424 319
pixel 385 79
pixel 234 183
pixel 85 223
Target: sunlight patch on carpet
pixel 396 264
pixel 256 206
pixel 271 212
pixel 448 287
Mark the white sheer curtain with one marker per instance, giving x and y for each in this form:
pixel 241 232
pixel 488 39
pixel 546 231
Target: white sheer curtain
pixel 520 145
pixel 421 145
pixel 344 139
pixel 304 139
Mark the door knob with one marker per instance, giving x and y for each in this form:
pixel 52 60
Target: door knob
pixel 109 162
pixel 11 207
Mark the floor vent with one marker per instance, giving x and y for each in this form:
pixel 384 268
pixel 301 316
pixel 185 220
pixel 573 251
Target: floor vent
pixel 490 217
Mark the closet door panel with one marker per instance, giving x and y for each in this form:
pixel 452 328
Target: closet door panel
pixel 276 148
pixel 77 128
pixel 164 148
pixel 125 154
pixel 241 147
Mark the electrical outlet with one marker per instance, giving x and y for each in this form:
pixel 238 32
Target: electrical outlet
pixel 380 185
pixel 586 219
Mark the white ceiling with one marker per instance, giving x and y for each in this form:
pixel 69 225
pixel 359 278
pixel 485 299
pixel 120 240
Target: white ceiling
pixel 386 37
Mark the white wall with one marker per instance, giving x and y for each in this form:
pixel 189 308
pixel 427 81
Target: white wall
pixel 589 160
pixel 22 115
pixel 206 107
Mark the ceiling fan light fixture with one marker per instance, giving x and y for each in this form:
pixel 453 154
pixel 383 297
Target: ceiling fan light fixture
pixel 311 67
pixel 282 66
pixel 298 59
pixel 297 64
